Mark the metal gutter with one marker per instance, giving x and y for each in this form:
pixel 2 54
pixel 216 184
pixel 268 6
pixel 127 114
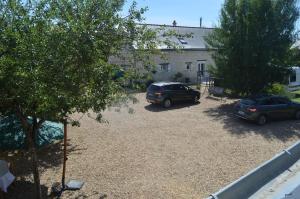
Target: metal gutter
pixel 250 184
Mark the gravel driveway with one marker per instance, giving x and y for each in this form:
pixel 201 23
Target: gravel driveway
pixel 188 151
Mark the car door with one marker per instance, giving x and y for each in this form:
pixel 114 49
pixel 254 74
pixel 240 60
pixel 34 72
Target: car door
pixel 179 92
pixel 189 93
pixel 283 108
pixel 267 106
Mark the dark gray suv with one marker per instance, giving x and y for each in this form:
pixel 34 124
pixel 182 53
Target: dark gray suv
pixel 167 93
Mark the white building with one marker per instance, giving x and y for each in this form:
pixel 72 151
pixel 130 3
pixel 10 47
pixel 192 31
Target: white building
pixel 294 80
pixel 191 61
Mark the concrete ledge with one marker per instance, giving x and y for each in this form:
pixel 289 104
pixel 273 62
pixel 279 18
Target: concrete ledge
pixel 257 178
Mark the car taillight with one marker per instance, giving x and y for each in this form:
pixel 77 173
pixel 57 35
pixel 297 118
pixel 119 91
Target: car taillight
pixel 252 109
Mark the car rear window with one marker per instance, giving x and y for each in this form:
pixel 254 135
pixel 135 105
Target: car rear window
pixel 154 88
pixel 248 101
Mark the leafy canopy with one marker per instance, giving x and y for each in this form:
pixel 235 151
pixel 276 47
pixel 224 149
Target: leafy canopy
pixel 54 55
pixel 252 45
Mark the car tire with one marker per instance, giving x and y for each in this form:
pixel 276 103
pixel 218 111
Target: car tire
pixel 297 115
pixel 262 120
pixel 196 99
pixel 167 103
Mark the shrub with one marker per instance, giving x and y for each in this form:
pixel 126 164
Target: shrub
pixel 178 76
pixel 279 89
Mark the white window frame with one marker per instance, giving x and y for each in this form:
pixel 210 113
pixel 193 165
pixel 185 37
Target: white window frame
pixel 165 67
pixel 188 66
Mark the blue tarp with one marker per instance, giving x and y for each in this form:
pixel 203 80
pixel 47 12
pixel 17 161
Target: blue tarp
pixel 13 137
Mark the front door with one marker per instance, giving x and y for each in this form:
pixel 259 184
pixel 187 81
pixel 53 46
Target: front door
pixel 201 69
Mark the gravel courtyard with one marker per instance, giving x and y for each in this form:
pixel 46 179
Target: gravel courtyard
pixel 188 151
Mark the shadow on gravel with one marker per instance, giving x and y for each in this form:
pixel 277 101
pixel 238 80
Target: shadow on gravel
pixel 160 108
pixel 24 189
pixel 282 130
pixel 50 156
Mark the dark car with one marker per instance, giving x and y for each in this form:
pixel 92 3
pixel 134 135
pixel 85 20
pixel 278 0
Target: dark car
pixel 265 107
pixel 167 93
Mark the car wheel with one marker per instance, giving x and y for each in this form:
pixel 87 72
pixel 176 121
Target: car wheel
pixel 297 115
pixel 167 103
pixel 196 99
pixel 262 119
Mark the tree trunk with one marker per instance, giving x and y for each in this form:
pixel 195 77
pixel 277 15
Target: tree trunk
pixel 31 131
pixel 32 151
pixel 36 174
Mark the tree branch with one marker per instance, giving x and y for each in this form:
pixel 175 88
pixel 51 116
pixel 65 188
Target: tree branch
pixel 3 53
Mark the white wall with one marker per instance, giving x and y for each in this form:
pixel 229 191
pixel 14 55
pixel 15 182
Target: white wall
pixel 298 75
pixel 177 62
pixel 297 82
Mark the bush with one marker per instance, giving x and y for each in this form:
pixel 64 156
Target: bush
pixel 276 89
pixel 178 76
pixel 279 89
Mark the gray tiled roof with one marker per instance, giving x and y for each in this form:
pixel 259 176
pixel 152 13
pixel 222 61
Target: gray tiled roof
pixel 196 41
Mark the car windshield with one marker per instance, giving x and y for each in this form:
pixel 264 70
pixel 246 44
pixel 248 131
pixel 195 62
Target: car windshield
pixel 154 88
pixel 248 101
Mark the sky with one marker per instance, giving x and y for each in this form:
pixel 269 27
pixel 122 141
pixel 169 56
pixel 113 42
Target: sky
pixel 185 12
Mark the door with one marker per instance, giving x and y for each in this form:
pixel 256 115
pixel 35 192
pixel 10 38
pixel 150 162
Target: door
pixel 282 108
pixel 201 69
pixel 179 92
pixel 276 107
pixel 268 106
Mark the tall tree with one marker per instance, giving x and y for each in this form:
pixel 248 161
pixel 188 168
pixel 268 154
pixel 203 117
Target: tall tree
pixel 54 59
pixel 252 44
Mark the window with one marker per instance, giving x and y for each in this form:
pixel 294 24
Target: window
pixel 248 101
pixel 178 87
pixel 267 101
pixel 165 67
pixel 282 100
pixel 293 76
pixel 201 69
pixel 154 88
pixel 182 41
pixel 188 65
pixel 168 87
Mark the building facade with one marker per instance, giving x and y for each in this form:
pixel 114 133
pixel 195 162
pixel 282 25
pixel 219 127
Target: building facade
pixel 294 79
pixel 188 62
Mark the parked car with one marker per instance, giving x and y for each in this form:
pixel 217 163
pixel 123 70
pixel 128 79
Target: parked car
pixel 167 93
pixel 266 107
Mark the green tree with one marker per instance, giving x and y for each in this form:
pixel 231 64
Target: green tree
pixel 252 44
pixel 54 59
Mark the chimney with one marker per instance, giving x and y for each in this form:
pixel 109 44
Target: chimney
pixel 200 22
pixel 174 23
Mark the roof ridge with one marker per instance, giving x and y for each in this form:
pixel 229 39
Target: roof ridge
pixel 165 25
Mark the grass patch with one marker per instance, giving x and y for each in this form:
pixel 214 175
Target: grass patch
pixel 296 100
pixel 296 92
